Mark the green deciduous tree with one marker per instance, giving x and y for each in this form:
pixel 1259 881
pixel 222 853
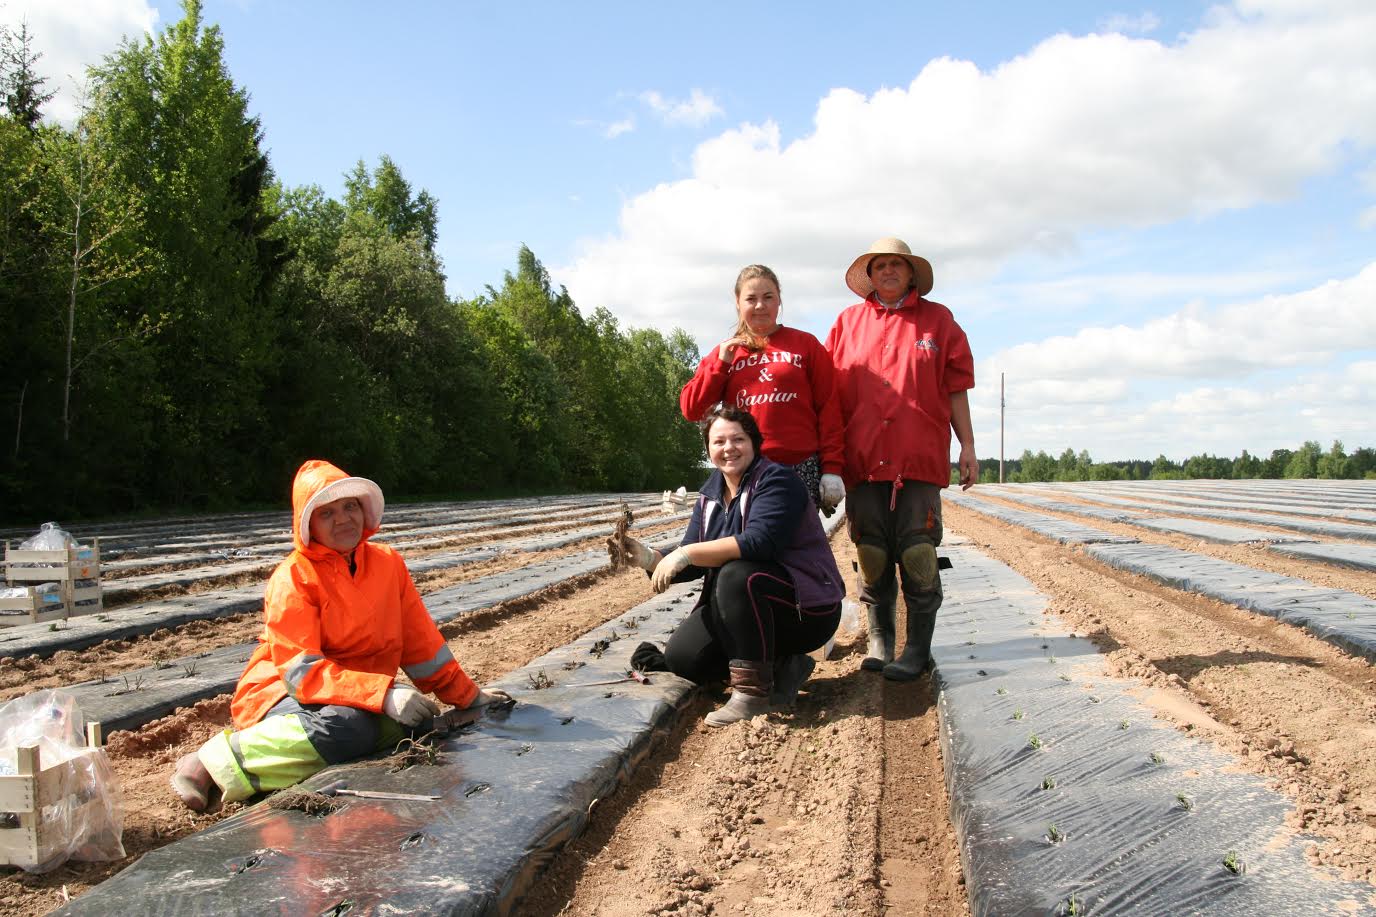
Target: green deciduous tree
pixel 176 130
pixel 1304 463
pixel 1334 463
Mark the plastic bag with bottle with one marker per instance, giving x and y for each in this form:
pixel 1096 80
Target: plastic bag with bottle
pixel 90 819
pixel 50 537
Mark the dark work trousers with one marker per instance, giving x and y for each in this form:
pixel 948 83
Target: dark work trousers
pixel 897 531
pixel 748 611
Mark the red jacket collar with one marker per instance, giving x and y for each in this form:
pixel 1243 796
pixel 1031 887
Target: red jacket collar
pixel 908 301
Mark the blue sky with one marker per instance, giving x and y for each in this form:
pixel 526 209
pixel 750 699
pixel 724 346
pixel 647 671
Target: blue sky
pixel 1158 219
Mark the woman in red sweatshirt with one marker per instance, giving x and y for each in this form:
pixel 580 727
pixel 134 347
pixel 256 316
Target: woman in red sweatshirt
pixel 783 377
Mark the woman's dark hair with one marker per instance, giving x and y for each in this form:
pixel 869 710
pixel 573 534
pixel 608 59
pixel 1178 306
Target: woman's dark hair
pixel 735 415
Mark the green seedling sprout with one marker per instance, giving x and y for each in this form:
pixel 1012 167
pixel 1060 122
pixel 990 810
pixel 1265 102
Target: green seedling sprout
pixel 1053 834
pixel 1073 906
pixel 1017 714
pixel 1122 724
pixel 1233 864
pixel 539 680
pixel 189 669
pixel 1094 698
pixel 1065 677
pixel 160 661
pixel 1034 740
pixel 1185 802
pixel 1156 758
pixel 1001 691
pixel 1051 659
pixel 1048 782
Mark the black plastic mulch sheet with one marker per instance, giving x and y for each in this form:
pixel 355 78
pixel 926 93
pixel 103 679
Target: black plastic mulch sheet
pixel 1066 795
pixel 129 621
pixel 1356 556
pixel 514 789
pixel 1345 619
pixel 1056 529
pixel 1006 492
pixel 1354 531
pixel 1260 504
pixel 1214 531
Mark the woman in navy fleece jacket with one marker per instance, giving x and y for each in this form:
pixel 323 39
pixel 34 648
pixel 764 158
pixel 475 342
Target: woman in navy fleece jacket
pixel 771 590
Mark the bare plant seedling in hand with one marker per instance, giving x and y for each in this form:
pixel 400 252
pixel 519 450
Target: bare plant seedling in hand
pixel 616 544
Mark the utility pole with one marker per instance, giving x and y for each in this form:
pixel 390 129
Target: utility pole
pixel 1001 404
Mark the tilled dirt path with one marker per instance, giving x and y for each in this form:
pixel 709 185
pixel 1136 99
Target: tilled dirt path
pixel 1293 708
pixel 836 808
pixel 1250 555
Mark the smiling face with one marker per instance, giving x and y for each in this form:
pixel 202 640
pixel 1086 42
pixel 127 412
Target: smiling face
pixel 729 448
pixel 338 525
pixel 891 276
pixel 757 306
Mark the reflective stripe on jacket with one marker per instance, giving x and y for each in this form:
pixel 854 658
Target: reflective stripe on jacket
pixel 331 637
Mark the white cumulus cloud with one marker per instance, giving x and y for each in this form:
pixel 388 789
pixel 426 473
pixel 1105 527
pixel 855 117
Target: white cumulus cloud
pixel 973 167
pixel 72 34
pixel 1302 329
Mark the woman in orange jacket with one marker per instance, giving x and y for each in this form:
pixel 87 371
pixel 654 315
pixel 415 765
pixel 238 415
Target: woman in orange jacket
pixel 340 617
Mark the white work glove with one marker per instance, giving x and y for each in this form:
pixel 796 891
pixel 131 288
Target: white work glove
pixel 671 566
pixel 488 697
pixel 833 491
pixel 408 706
pixel 640 554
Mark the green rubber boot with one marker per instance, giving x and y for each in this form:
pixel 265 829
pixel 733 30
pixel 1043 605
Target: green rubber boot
pixel 881 628
pixel 918 652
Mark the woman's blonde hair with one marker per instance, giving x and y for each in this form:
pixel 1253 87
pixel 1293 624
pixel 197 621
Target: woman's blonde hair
pixel 753 272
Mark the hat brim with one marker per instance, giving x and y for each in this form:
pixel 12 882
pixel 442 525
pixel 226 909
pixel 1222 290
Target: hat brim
pixel 860 284
pixel 369 496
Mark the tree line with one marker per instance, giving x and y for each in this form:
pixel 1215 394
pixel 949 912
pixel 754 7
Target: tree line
pixel 180 329
pixel 1309 461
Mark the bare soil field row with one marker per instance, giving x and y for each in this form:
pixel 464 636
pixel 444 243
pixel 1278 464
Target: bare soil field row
pixel 1251 555
pixel 1291 707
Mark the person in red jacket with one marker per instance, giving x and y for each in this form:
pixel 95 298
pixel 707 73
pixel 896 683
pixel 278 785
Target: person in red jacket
pixel 341 616
pixel 783 377
pixel 903 369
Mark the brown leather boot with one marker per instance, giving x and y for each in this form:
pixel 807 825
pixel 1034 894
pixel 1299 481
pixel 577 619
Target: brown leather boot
pixel 751 683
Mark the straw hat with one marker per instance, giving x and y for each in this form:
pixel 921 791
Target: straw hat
pixel 367 492
pixel 858 278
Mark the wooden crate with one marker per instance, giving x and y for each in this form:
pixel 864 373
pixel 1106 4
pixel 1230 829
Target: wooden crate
pixel 25 839
pixel 33 607
pixel 75 569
